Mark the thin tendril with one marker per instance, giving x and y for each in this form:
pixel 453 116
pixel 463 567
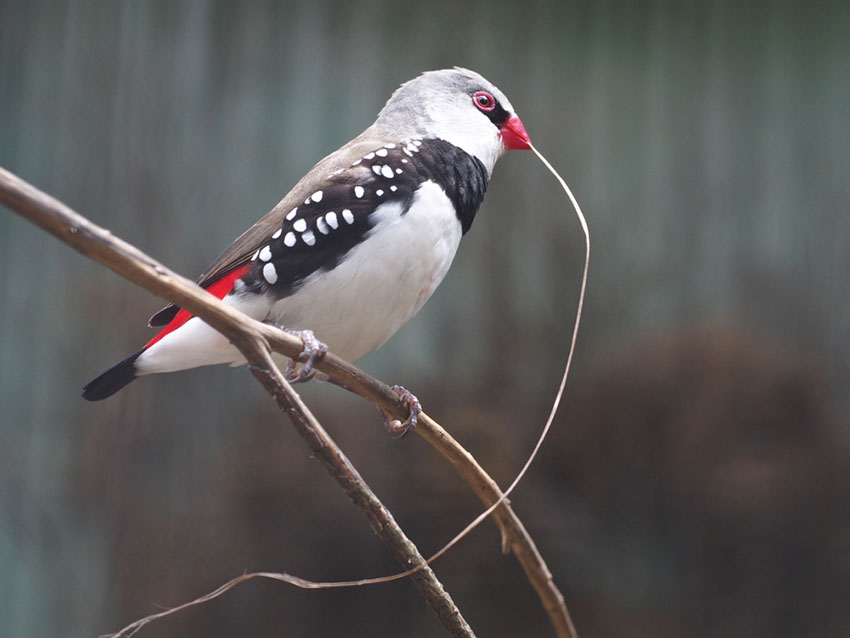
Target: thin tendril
pixel 131 629
pixel 557 402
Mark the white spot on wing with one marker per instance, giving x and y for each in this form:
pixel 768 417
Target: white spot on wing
pixel 309 238
pixel 277 233
pixel 269 273
pixel 379 192
pixel 266 253
pixel 390 145
pixel 381 152
pixel 256 254
pixel 358 192
pixel 317 196
pixel 291 215
pixel 299 226
pixel 289 239
pixel 368 156
pixel 376 168
pixel 387 171
pixel 348 216
pixel 322 226
pixel 394 188
pixel 398 171
pixel 403 161
pixel 333 222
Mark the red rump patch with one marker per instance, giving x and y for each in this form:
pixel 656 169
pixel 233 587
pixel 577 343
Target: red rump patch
pixel 220 287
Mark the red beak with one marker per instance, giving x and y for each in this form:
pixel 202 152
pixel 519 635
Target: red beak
pixel 514 135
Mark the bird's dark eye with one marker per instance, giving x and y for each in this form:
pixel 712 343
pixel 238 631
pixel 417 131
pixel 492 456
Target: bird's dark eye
pixel 484 101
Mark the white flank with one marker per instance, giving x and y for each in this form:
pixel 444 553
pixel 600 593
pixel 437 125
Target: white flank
pixel 382 282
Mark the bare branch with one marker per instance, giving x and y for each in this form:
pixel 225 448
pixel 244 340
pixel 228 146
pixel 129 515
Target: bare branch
pixel 126 260
pixel 254 339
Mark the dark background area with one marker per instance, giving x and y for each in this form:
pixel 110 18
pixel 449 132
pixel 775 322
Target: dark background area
pixel 696 479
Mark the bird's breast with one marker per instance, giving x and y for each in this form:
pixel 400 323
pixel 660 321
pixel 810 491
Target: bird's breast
pixel 383 281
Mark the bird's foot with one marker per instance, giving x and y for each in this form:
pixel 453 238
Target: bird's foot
pixel 393 425
pixel 314 350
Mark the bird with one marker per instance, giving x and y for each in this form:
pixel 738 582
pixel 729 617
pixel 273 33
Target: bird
pixel 361 242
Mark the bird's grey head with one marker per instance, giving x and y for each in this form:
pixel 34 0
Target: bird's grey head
pixel 456 105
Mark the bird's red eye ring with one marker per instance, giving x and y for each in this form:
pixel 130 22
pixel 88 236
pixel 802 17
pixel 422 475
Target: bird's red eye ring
pixel 484 101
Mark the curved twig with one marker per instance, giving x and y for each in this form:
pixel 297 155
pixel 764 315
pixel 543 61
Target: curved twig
pixel 123 258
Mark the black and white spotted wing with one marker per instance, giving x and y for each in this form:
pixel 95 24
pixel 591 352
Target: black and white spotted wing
pixel 317 234
pixel 337 216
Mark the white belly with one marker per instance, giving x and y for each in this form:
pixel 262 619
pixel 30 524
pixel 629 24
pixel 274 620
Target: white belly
pixel 382 282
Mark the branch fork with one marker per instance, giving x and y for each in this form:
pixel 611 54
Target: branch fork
pixel 257 341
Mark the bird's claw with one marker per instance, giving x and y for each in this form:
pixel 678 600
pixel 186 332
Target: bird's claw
pixel 314 350
pixel 392 424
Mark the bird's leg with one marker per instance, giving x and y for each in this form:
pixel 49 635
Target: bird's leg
pixel 314 350
pixel 393 425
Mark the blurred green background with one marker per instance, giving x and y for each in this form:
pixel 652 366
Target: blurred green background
pixel 696 480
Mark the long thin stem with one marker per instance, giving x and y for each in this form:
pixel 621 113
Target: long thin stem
pixel 100 245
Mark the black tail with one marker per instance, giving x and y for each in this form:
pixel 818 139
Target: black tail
pixel 113 379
